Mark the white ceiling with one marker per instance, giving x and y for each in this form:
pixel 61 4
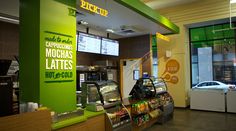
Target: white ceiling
pixel 159 4
pixel 119 18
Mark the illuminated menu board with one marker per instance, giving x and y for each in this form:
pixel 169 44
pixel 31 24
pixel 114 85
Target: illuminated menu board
pixel 89 43
pixel 110 47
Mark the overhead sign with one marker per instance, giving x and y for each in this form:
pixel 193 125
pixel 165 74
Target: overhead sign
pixel 93 8
pixel 165 38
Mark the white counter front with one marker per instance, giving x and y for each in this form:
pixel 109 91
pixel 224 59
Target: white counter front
pixel 208 99
pixel 231 104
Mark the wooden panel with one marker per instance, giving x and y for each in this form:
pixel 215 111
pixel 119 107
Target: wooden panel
pixel 147 65
pixel 96 123
pixel 89 58
pixel 137 47
pixel 79 126
pixel 134 47
pixel 9 40
pixel 33 121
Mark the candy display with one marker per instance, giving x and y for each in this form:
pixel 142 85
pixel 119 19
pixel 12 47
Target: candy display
pixel 107 93
pixel 165 99
pixel 139 120
pixel 119 117
pixel 155 113
pixel 140 107
pixel 154 103
pixel 150 102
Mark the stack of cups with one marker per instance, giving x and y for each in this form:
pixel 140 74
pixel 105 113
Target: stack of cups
pixel 28 107
pixel 31 106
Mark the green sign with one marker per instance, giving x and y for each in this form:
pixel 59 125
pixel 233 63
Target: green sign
pixel 48 53
pixel 59 57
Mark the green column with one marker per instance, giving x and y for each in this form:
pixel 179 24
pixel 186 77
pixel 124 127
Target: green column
pixel 48 53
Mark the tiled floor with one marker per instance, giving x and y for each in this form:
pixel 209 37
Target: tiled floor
pixel 192 120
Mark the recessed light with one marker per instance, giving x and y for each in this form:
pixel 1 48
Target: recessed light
pixel 9 19
pixel 83 22
pixel 110 30
pixel 232 1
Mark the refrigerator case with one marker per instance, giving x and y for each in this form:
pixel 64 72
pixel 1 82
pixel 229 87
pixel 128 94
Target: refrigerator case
pixel 118 119
pixel 143 88
pixel 107 93
pixel 154 92
pixel 104 92
pixel 110 93
pixel 165 99
pixel 90 93
pixel 159 85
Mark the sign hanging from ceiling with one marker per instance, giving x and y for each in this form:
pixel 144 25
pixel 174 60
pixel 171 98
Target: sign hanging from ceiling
pixel 165 38
pixel 93 8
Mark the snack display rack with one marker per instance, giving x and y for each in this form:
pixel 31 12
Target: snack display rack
pixel 149 103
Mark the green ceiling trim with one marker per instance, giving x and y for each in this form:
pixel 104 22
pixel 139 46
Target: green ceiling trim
pixel 144 10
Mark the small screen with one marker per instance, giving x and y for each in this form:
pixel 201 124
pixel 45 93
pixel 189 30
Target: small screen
pixel 136 74
pixel 89 43
pixel 110 47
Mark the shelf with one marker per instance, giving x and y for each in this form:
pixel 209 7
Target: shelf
pixel 144 125
pixel 161 92
pixel 121 123
pixel 139 114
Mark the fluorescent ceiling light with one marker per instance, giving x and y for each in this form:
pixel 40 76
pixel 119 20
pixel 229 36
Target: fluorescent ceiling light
pixel 84 22
pixel 9 19
pixel 232 1
pixel 110 30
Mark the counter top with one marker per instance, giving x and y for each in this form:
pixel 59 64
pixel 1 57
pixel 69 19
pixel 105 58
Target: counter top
pixel 90 114
pixel 74 120
pixel 68 122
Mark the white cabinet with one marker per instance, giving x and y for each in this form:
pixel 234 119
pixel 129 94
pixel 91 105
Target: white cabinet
pixel 231 104
pixel 209 99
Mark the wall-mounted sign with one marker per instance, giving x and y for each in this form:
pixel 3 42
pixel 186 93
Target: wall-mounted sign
pixel 165 38
pixel 59 57
pixel 93 8
pixel 172 67
pixel 48 47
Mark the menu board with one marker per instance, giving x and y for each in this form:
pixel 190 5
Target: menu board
pixel 89 43
pixel 110 47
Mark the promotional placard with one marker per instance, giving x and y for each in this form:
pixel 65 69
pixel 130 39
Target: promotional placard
pixel 59 57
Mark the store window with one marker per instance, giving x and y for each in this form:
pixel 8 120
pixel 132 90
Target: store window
pixel 213 55
pixel 154 57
